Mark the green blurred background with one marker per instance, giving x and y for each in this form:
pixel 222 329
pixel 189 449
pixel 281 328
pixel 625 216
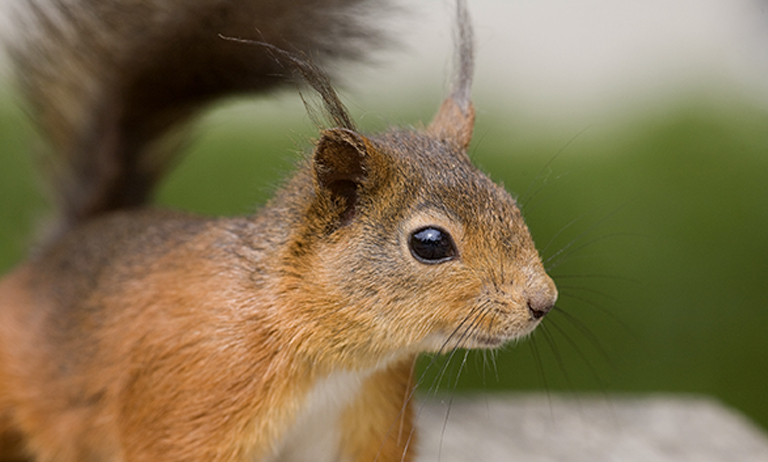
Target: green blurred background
pixel 654 224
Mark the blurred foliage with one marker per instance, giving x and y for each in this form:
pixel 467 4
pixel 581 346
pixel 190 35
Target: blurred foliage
pixel 655 232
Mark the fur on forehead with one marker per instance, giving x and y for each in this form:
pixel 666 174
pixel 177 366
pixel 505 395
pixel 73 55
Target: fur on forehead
pixel 441 169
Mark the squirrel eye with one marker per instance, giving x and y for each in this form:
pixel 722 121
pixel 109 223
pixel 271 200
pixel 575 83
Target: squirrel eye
pixel 431 245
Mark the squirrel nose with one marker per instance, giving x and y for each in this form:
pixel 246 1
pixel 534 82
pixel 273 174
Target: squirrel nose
pixel 538 311
pixel 542 297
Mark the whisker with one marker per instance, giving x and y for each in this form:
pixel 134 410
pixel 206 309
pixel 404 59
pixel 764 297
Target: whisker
pixel 481 309
pixel 542 376
pixel 450 404
pixel 584 233
pixel 470 328
pixel 489 356
pixel 587 333
pixel 412 392
pixel 581 354
pixel 589 290
pixel 534 201
pixel 595 276
pixel 604 311
pixel 442 348
pixel 556 353
pixel 484 354
pixel 539 364
pixel 494 356
pixel 524 198
pixel 544 250
pixel 563 258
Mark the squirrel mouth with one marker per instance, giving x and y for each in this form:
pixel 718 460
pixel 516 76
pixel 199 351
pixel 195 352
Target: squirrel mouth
pixel 486 341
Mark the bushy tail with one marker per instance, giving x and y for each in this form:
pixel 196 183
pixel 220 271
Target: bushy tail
pixel 109 81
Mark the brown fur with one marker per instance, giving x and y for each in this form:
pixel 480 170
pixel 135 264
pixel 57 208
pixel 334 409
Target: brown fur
pixel 146 335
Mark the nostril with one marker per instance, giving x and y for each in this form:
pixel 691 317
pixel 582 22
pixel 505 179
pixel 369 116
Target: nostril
pixel 541 295
pixel 538 311
pixel 541 302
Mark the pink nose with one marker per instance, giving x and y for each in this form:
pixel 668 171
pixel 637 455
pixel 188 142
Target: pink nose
pixel 541 297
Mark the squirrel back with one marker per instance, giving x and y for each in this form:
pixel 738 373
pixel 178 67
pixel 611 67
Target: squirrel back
pixel 141 335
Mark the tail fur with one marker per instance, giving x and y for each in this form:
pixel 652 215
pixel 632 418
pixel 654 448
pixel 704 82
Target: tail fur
pixel 110 81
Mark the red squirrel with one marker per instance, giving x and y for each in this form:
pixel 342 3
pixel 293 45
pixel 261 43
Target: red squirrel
pixel 138 334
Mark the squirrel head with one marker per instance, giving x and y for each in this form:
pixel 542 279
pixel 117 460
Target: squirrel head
pixel 406 246
pixel 403 245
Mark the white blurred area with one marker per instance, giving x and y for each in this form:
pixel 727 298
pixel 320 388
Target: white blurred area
pixel 561 60
pixel 565 59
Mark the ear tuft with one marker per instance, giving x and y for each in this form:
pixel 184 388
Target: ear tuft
pixel 456 118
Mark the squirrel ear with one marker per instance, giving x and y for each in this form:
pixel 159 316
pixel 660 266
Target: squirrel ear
pixel 340 166
pixel 453 123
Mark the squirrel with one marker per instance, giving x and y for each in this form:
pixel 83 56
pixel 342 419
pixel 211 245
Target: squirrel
pixel 140 334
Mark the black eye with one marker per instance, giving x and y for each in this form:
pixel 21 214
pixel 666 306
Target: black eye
pixel 431 245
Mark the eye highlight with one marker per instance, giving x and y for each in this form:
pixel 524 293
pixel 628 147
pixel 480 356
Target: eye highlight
pixel 431 245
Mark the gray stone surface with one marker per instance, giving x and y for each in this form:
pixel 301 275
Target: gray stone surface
pixel 538 428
